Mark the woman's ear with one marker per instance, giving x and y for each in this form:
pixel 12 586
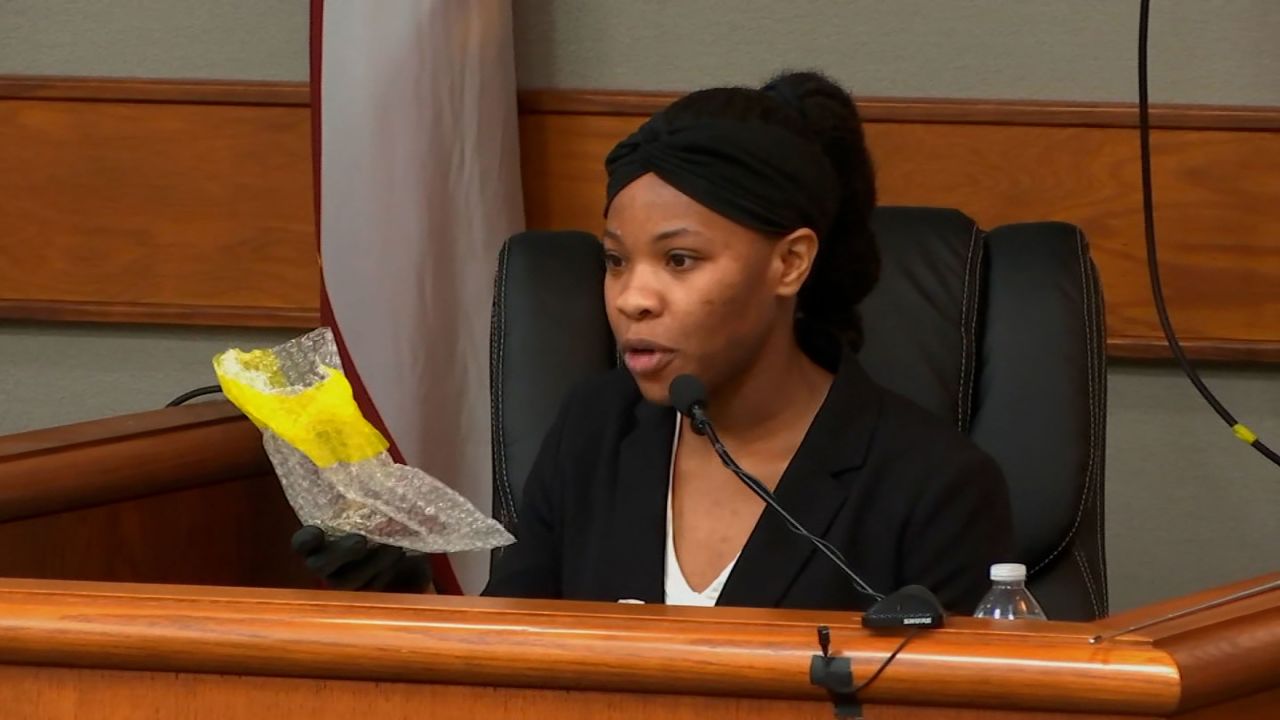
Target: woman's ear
pixel 795 254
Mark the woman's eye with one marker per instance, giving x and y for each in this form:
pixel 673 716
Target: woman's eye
pixel 681 261
pixel 612 261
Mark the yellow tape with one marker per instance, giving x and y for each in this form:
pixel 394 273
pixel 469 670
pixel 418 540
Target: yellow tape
pixel 322 421
pixel 1244 433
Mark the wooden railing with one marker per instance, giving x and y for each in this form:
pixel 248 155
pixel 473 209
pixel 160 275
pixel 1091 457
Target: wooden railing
pixel 235 653
pixel 183 494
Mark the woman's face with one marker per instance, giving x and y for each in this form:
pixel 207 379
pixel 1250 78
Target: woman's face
pixel 689 291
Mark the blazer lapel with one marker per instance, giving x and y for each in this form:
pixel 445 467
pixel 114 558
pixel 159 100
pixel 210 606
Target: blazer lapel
pixel 813 489
pixel 640 506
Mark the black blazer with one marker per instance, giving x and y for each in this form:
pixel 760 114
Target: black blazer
pixel 905 497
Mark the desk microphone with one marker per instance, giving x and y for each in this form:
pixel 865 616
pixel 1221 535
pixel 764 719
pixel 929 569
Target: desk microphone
pixel 912 606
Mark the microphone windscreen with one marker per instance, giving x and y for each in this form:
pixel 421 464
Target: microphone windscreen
pixel 685 392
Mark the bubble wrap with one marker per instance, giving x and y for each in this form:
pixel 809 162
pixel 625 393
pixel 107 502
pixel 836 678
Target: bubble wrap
pixel 388 502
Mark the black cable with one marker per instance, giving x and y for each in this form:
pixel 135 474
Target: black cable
pixel 792 524
pixel 884 665
pixel 1153 265
pixel 193 394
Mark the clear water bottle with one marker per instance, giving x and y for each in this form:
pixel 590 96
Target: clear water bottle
pixel 1009 598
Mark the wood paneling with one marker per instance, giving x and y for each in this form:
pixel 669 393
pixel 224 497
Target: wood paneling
pixel 123 198
pixel 66 646
pixel 189 202
pixel 69 694
pixel 229 533
pixel 125 457
pixel 1220 256
pixel 180 495
pixel 43 693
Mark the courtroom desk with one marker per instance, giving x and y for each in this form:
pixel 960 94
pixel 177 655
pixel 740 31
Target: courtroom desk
pixel 72 650
pixel 179 495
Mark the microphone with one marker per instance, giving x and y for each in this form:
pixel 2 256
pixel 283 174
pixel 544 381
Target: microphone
pixel 912 606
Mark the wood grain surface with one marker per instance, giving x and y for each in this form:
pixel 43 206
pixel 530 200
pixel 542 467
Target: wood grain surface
pixel 189 202
pixel 1220 257
pixel 161 90
pixel 1222 652
pixel 939 110
pixel 42 693
pixel 65 645
pixel 199 209
pixel 180 495
pixel 126 457
pixel 234 532
pixel 567 646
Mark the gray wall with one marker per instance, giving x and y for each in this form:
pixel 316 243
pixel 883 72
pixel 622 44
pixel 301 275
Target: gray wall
pixel 54 374
pixel 242 39
pixel 1209 51
pixel 1188 505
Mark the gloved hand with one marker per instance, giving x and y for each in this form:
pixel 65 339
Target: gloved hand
pixel 351 562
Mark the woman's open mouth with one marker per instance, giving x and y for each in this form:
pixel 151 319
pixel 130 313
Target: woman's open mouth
pixel 644 357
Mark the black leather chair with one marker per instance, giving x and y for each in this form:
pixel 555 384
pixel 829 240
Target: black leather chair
pixel 1000 331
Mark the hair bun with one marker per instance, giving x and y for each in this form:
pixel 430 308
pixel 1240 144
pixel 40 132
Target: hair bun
pixel 849 269
pixel 822 104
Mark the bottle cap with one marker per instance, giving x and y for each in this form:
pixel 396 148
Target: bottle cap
pixel 1008 572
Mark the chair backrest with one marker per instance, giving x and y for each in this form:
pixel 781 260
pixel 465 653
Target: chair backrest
pixel 1000 331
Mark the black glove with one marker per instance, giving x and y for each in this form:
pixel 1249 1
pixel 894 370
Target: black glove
pixel 351 562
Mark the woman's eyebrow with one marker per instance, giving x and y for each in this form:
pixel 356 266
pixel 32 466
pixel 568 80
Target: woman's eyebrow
pixel 671 234
pixel 661 237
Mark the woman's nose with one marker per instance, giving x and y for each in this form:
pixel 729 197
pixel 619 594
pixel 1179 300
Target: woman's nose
pixel 637 297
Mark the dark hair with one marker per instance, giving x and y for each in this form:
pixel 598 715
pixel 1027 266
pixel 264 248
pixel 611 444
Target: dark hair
pixel 814 107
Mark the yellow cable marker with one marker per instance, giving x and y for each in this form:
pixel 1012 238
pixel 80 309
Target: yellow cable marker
pixel 1244 433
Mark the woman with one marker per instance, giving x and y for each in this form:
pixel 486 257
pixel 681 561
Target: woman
pixel 737 246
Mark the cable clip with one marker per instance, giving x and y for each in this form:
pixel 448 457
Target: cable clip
pixel 835 675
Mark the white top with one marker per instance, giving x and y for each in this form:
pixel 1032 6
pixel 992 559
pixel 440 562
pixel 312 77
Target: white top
pixel 676 590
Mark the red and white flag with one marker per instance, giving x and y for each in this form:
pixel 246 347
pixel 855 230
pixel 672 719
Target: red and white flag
pixel 418 185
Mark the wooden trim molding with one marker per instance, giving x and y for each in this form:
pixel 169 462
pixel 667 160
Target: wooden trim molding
pixel 637 103
pixel 155 90
pixel 940 110
pixel 125 457
pixel 1211 646
pixel 1224 351
pixel 159 313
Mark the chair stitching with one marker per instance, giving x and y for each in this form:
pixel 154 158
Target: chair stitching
pixel 1095 412
pixel 1088 476
pixel 1100 318
pixel 495 328
pixel 1084 570
pixel 972 355
pixel 964 342
pixel 504 485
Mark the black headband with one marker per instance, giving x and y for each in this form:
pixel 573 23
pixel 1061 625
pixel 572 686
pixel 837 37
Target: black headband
pixel 760 176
